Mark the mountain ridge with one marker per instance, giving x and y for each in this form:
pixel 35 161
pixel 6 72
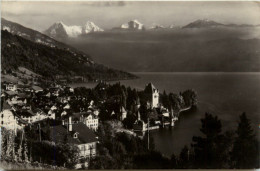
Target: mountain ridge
pixel 36 36
pixel 205 23
pixel 60 30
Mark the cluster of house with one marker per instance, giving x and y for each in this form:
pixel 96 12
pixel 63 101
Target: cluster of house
pixel 23 105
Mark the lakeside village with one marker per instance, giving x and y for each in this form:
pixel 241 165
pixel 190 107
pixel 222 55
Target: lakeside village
pixel 68 120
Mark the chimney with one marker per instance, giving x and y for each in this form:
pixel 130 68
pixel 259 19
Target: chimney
pixel 70 124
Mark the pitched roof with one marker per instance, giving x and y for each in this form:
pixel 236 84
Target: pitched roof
pixel 25 113
pixel 122 109
pixel 11 93
pixel 59 133
pixel 85 114
pixel 37 88
pixel 149 88
pixel 6 106
pixel 85 135
pixel 22 95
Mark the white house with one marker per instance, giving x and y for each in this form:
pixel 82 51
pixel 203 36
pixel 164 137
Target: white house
pixel 51 114
pixel 11 87
pixel 88 118
pixel 54 107
pixel 7 118
pixel 91 121
pixel 64 113
pixel 67 106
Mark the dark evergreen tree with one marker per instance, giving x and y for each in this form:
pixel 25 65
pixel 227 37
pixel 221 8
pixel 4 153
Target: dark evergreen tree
pixel 173 162
pixel 245 153
pixel 165 100
pixel 184 158
pixel 189 97
pixel 210 150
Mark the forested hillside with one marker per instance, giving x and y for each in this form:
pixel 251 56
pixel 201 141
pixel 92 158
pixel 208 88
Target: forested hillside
pixel 52 61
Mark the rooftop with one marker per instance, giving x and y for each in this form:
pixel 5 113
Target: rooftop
pixel 59 133
pixel 150 88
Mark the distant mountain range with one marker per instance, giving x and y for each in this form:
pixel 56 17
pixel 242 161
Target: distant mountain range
pixel 202 24
pixel 24 47
pixel 61 30
pixel 209 23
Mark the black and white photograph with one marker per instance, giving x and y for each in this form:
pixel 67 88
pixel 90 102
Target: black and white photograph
pixel 92 85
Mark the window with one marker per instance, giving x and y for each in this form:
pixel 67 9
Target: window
pixel 2 122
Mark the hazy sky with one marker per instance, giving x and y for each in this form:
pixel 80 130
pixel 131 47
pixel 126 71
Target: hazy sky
pixel 40 15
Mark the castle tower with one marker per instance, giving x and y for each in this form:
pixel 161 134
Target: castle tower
pixel 154 94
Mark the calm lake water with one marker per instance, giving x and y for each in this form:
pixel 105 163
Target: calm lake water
pixel 226 95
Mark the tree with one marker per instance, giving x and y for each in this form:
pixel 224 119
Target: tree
pixel 165 100
pixel 189 97
pixel 210 150
pixel 184 158
pixel 102 162
pixel 176 101
pixel 173 162
pixel 245 153
pixel 129 120
pixel 151 160
pixel 144 112
pixel 123 97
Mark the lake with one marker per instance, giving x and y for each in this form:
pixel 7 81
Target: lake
pixel 226 95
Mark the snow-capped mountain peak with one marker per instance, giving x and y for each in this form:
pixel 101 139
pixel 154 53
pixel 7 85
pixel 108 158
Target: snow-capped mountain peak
pixel 90 27
pixel 157 26
pixel 133 24
pixel 172 26
pixel 61 30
